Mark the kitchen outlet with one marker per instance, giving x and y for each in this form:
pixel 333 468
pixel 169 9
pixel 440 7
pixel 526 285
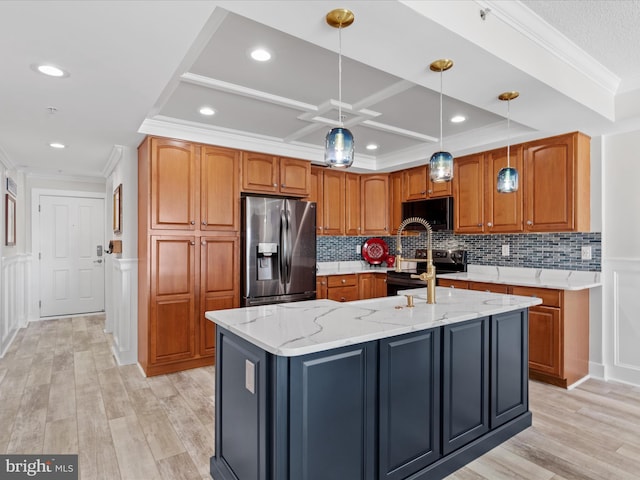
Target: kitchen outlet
pixel 358 248
pixel 505 250
pixel 586 253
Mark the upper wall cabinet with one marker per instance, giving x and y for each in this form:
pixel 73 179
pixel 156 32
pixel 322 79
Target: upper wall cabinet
pixel 262 173
pixel 556 181
pixel 374 193
pixel 418 185
pixel 395 201
pixel 220 200
pixel 554 194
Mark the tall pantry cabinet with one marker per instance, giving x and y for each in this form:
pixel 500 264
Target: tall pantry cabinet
pixel 188 247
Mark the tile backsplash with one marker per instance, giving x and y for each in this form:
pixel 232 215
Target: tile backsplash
pixel 561 251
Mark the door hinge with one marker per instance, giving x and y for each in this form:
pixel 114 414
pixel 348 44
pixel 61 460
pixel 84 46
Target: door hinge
pixel 39 255
pixel 39 303
pixel 38 208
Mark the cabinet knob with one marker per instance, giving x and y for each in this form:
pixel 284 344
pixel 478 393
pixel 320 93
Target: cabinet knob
pixel 452 286
pixel 275 185
pixel 430 191
pixel 204 223
pixel 319 228
pixel 344 281
pixel 529 222
pixel 423 192
pixel 489 224
pixel 479 224
pixel 323 283
pixel 342 299
pixel 283 185
pixel 193 222
pixel 192 242
pixel 204 242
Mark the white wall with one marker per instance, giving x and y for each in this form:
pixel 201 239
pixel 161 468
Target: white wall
pixel 121 281
pixel 621 257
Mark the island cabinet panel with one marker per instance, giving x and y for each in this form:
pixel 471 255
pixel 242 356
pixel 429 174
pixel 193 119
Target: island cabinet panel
pixel 509 368
pixel 409 404
pixel 332 414
pixel 465 383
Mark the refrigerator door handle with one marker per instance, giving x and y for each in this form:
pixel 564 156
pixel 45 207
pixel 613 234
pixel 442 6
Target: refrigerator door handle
pixel 289 252
pixel 283 249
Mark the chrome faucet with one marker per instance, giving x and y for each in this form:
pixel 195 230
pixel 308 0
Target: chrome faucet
pixel 430 275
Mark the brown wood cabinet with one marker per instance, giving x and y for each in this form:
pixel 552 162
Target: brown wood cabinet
pixel 353 205
pixel 556 181
pixel 418 185
pixel 468 194
pixel 321 286
pixel 316 195
pixel 502 211
pixel 395 201
pixel 343 288
pixel 263 173
pixel 333 198
pixel 558 330
pixel 372 285
pixel 187 250
pixel 374 191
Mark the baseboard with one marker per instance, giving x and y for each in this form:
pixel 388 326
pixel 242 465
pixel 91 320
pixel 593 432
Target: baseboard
pixel 596 370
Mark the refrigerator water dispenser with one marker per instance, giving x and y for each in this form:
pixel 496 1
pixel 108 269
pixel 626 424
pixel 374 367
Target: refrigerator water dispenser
pixel 267 259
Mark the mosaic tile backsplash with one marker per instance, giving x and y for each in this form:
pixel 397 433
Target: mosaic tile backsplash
pixel 561 251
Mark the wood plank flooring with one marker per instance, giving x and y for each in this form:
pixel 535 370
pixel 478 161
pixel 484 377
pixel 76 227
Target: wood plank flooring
pixel 61 392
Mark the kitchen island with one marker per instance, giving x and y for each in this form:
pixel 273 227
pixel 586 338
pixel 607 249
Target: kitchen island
pixel 370 389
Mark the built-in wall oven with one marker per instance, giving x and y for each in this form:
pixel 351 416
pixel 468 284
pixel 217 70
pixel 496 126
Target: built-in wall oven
pixel 445 261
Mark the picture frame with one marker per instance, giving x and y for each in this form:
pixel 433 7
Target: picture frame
pixel 10 221
pixel 117 209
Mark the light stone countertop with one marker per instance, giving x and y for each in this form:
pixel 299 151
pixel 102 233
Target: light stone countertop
pixel 347 267
pixel 528 277
pixel 299 328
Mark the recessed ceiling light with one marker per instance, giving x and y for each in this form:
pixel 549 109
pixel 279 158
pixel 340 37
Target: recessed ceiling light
pixel 50 70
pixel 372 146
pixel 57 145
pixel 261 55
pixel 207 111
pixel 458 119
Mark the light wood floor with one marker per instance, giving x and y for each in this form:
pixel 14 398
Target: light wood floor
pixel 61 392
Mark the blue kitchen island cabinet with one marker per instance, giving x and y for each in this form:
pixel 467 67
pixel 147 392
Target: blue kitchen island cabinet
pixel 414 405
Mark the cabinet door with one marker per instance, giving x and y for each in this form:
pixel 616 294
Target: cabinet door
pixel 554 187
pixel 380 285
pixel 395 201
pixel 414 182
pixel 260 173
pixel 510 382
pixel 468 194
pixel 545 340
pixel 333 202
pixel 353 206
pixel 503 211
pixel 375 204
pixel 219 192
pixel 343 294
pixel 366 285
pixel 465 383
pixel 439 189
pixel 219 283
pixel 321 287
pixel 409 403
pixel 446 282
pixel 332 414
pixel 172 320
pixel 295 177
pixel 316 195
pixel 173 184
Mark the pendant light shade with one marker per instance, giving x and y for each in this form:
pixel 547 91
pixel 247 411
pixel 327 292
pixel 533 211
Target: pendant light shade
pixel 508 176
pixel 441 163
pixel 339 144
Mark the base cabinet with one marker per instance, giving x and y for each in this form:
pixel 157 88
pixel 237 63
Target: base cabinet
pixel 416 406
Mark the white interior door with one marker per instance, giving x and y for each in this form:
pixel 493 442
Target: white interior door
pixel 71 256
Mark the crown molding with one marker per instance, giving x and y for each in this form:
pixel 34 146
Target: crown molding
pixel 532 26
pixel 114 158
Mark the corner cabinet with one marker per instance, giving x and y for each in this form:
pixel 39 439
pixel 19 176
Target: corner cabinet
pixel 415 406
pixel 188 220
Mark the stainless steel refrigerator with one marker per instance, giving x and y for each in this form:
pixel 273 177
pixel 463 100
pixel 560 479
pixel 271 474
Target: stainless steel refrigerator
pixel 278 250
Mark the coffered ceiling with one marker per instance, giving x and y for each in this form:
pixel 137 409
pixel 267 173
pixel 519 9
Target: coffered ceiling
pixel 145 67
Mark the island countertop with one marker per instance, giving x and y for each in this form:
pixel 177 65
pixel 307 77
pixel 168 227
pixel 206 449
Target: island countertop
pixel 299 328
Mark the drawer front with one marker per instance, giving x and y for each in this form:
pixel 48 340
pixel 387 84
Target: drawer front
pixel 342 281
pixel 343 294
pixel 489 287
pixel 446 282
pixel 549 296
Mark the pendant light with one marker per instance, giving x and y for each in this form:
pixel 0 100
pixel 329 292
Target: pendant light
pixel 441 163
pixel 508 176
pixel 339 145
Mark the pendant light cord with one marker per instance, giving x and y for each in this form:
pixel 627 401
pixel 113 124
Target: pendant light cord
pixel 508 133
pixel 440 109
pixel 340 76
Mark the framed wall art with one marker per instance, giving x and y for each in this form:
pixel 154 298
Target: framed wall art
pixel 10 221
pixel 117 209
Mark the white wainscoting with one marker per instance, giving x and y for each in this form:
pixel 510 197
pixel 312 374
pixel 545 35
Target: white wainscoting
pixel 621 318
pixel 14 297
pixel 124 310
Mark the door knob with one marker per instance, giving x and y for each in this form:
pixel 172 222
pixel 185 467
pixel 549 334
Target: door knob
pixel 98 261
